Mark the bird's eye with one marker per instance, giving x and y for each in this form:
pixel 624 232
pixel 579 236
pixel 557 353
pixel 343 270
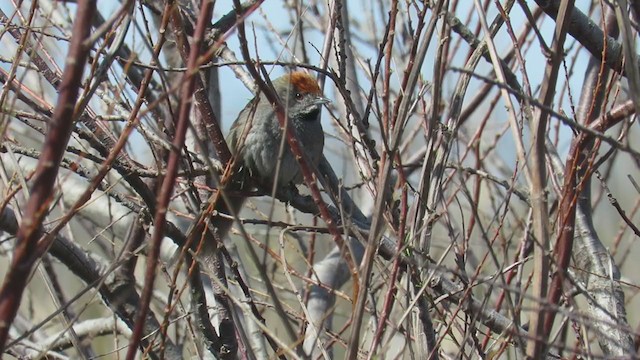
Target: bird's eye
pixel 298 96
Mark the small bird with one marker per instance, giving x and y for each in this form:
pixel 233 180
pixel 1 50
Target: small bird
pixel 256 136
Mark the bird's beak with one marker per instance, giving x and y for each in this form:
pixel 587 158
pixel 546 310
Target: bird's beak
pixel 321 100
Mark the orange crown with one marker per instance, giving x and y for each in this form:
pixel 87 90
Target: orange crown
pixel 304 82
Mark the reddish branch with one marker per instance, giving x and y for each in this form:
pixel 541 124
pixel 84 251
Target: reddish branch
pixel 537 336
pixel 296 149
pixel 166 190
pixel 201 102
pixel 577 164
pixel 61 126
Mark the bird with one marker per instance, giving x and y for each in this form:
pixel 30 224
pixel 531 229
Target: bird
pixel 255 140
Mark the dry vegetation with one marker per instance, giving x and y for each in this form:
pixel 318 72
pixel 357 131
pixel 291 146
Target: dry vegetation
pixel 478 199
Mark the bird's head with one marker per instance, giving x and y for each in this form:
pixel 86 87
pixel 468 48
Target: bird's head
pixel 300 95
